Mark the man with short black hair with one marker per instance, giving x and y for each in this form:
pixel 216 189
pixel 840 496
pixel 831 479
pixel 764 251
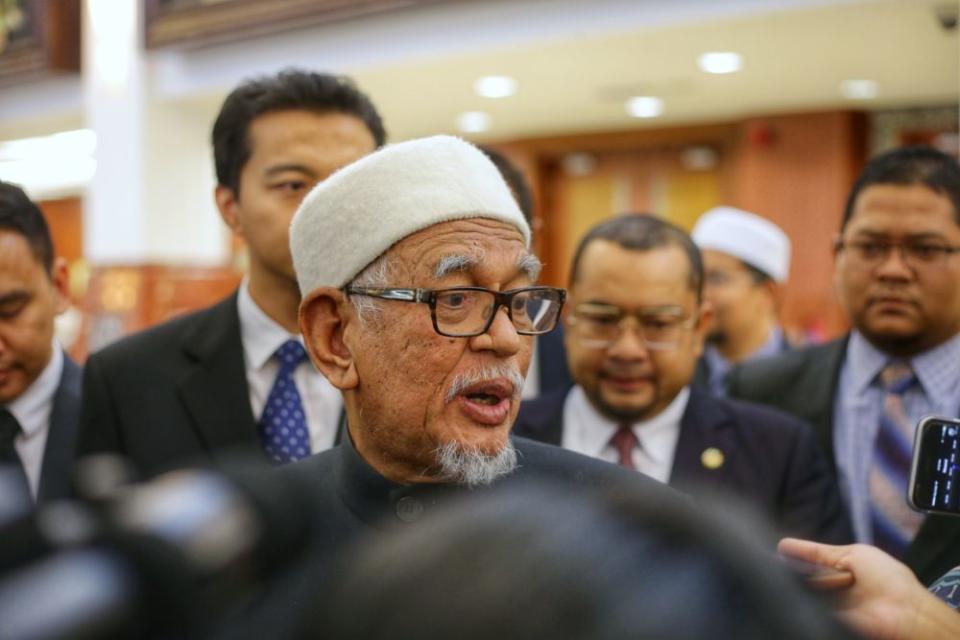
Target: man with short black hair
pixel 898 279
pixel 236 374
pixel 635 326
pixel 39 383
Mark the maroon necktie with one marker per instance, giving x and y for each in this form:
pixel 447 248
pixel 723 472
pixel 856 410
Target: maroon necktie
pixel 625 441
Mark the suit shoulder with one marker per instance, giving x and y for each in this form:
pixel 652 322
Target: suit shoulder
pixel 540 461
pixel 751 415
pixel 159 340
pixel 776 371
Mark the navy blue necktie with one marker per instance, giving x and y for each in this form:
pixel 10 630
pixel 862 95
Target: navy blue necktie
pixel 283 424
pixel 894 523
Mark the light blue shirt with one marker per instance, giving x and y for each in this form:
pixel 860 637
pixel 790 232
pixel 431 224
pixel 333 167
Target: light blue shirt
pixel 719 367
pixel 858 405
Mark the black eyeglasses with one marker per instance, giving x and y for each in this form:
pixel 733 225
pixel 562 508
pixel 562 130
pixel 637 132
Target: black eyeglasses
pixel 917 254
pixel 463 312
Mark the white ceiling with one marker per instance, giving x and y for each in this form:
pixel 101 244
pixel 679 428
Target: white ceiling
pixel 576 62
pixel 794 60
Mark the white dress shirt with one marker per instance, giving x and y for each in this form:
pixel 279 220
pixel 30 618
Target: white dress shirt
pixel 32 410
pixel 586 431
pixel 261 337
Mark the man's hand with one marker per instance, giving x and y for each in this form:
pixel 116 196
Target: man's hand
pixel 885 601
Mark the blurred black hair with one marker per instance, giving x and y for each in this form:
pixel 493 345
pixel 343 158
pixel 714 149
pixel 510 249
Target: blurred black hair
pixel 515 180
pixel 907 166
pixel 20 214
pixel 538 563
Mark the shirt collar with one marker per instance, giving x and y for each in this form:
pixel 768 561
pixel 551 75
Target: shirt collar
pixel 33 403
pixel 260 334
pixel 598 429
pixel 937 369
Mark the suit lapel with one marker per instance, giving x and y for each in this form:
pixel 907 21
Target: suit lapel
pixel 214 388
pixel 704 452
pixel 62 435
pixel 541 419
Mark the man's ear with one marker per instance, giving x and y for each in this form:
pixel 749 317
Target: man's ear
pixel 228 204
pixel 702 328
pixel 323 320
pixel 60 278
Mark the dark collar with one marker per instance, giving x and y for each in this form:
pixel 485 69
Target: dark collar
pixel 379 502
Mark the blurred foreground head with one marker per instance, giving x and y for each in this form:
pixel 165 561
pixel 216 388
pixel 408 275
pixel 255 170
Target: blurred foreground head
pixel 534 563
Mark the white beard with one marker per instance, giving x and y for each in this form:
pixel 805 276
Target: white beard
pixel 472 467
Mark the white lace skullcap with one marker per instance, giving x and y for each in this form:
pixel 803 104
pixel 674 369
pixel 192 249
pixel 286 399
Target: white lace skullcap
pixel 358 213
pixel 746 236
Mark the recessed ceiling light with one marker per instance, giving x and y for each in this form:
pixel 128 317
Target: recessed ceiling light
pixel 858 89
pixel 473 121
pixel 495 86
pixel 645 107
pixel 720 62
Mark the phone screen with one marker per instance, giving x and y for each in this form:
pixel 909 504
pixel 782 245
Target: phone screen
pixel 935 481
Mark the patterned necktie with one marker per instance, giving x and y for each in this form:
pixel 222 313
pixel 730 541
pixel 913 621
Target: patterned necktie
pixel 894 523
pixel 625 441
pixel 283 424
pixel 9 458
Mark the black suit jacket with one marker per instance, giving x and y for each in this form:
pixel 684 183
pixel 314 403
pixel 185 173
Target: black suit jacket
pixel 771 460
pixel 58 454
pixel 804 383
pixel 175 393
pixel 552 362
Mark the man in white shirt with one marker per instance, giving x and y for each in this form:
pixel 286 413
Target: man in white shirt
pixel 39 384
pixel 235 375
pixel 635 324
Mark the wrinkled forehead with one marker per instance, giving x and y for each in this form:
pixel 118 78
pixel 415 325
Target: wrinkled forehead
pixel 474 246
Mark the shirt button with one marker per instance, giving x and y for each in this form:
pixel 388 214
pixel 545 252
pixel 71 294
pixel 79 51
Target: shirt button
pixel 409 509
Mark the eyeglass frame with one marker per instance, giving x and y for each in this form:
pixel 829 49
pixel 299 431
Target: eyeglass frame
pixel 944 252
pixel 429 297
pixel 686 324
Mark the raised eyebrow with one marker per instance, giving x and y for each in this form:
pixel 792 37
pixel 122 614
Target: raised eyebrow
pixel 530 265
pixel 456 263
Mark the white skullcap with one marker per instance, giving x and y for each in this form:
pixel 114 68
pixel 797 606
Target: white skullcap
pixel 351 218
pixel 754 240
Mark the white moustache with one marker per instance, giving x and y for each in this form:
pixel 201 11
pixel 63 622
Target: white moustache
pixel 486 374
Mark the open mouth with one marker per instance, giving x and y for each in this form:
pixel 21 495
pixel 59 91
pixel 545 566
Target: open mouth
pixel 487 402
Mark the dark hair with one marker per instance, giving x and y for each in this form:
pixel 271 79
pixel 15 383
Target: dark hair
pixel 536 562
pixel 20 214
pixel 643 232
pixel 908 166
pixel 515 180
pixel 291 89
pixel 757 276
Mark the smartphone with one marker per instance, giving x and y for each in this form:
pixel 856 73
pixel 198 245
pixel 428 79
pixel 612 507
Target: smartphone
pixel 935 469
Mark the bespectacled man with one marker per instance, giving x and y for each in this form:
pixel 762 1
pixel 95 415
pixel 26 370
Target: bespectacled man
pixel 635 326
pixel 897 277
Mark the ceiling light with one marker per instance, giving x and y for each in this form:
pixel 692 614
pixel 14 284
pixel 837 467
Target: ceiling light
pixel 495 86
pixel 473 121
pixel 645 107
pixel 859 89
pixel 720 62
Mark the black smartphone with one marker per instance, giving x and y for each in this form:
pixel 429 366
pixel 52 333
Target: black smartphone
pixel 935 472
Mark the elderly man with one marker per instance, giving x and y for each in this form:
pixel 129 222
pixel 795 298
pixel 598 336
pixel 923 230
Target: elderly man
pixel 420 306
pixel 898 279
pixel 635 329
pixel 746 260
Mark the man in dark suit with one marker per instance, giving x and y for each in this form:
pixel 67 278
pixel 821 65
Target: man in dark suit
pixel 635 328
pixel 39 383
pixel 221 378
pixel 897 278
